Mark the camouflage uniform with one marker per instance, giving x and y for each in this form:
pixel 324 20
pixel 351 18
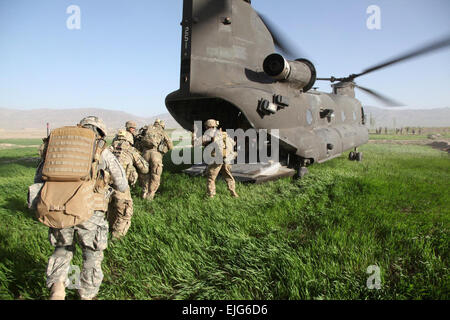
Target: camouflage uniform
pixel 212 171
pixel 91 235
pixel 138 139
pixel 153 154
pixel 121 207
pixel 131 127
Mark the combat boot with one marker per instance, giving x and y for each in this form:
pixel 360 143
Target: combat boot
pixel 82 297
pixel 150 196
pixel 115 236
pixel 58 291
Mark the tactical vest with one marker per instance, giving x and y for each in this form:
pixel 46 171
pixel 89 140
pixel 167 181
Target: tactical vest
pixel 228 151
pixel 75 184
pixel 120 151
pixel 226 144
pixel 154 139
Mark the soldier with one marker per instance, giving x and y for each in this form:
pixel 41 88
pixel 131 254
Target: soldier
pixel 131 127
pixel 121 206
pixel 92 232
pixel 138 137
pixel 155 143
pixel 214 135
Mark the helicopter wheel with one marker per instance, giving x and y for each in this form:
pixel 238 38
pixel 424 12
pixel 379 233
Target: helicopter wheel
pixel 300 166
pixel 359 156
pixel 301 172
pixel 352 156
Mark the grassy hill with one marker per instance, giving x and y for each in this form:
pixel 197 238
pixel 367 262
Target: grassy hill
pixel 308 239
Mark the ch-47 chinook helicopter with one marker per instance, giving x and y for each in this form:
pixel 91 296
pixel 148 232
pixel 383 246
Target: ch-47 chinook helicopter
pixel 229 72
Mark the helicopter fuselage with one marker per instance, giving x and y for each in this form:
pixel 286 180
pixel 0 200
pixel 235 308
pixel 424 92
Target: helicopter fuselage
pixel 222 77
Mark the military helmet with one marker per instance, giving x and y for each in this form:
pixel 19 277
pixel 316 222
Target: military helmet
pixel 130 124
pixel 125 135
pixel 160 123
pixel 96 122
pixel 211 123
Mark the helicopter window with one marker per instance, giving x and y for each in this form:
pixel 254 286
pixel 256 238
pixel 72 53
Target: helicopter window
pixel 309 117
pixel 343 116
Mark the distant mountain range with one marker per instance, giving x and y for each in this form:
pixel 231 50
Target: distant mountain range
pixel 12 119
pixel 398 118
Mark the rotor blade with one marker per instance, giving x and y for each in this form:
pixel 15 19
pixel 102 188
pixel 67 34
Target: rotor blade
pixel 280 42
pixel 436 45
pixel 388 101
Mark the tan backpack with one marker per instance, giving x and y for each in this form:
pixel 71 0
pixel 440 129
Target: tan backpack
pixel 69 172
pixel 121 150
pixel 152 138
pixel 228 147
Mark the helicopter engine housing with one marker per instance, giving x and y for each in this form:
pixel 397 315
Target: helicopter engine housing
pixel 300 74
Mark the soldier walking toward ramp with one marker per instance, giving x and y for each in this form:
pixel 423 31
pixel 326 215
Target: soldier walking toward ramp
pixel 155 143
pixel 131 127
pixel 72 199
pixel 121 207
pixel 225 144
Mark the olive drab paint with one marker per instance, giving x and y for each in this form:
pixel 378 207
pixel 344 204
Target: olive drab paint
pixel 224 46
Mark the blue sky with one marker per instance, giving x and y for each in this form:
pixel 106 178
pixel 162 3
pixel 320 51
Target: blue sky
pixel 126 54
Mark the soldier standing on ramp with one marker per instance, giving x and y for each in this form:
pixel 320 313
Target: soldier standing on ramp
pixel 74 177
pixel 155 144
pixel 226 145
pixel 121 207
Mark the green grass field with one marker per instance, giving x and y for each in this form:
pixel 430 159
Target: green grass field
pixel 288 239
pixel 373 136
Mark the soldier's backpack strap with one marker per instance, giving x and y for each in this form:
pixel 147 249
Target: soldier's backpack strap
pixel 99 147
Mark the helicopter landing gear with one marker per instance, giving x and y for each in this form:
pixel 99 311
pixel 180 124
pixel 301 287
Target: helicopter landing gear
pixel 301 172
pixel 355 156
pixel 301 169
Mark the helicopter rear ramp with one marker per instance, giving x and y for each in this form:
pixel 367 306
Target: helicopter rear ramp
pixel 249 172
